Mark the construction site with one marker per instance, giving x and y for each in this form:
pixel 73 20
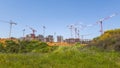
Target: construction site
pixel 75 36
pixel 50 39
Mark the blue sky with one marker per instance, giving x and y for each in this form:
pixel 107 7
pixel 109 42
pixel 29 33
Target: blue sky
pixel 56 15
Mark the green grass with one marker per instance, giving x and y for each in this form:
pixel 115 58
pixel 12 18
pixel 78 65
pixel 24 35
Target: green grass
pixel 63 57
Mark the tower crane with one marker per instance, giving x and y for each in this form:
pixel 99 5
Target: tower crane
pixel 33 31
pixel 76 32
pixel 75 29
pixel 71 27
pixel 11 24
pixel 44 30
pixel 103 19
pixel 23 32
pixel 78 27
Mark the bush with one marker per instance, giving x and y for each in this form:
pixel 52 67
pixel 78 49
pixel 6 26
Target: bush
pixel 2 48
pixel 117 46
pixel 25 47
pixel 108 41
pixel 44 48
pixel 11 47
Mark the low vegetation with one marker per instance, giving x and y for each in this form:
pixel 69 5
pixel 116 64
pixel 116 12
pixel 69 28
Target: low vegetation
pixel 63 57
pixel 11 46
pixel 110 40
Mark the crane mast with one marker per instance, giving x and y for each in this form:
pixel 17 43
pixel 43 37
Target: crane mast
pixel 11 24
pixel 71 27
pixel 33 31
pixel 103 19
pixel 44 30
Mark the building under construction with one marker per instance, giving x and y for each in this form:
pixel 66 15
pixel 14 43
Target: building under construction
pixel 40 38
pixel 72 40
pixel 77 40
pixel 60 39
pixel 49 38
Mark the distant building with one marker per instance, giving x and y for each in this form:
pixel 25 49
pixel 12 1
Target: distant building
pixel 85 41
pixel 32 36
pixel 72 40
pixel 21 38
pixel 28 37
pixel 59 38
pixel 41 38
pixel 77 40
pixel 49 38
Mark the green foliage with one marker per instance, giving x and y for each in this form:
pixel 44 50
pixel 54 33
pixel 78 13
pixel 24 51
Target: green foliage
pixel 109 40
pixel 43 48
pixel 11 46
pixel 78 44
pixel 25 47
pixel 63 57
pixel 1 48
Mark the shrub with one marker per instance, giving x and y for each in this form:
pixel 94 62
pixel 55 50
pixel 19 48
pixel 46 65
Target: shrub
pixel 25 47
pixel 108 41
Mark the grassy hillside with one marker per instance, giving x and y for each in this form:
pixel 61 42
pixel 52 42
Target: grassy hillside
pixel 63 57
pixel 110 40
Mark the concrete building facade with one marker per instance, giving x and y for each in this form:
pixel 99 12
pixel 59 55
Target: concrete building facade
pixel 59 38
